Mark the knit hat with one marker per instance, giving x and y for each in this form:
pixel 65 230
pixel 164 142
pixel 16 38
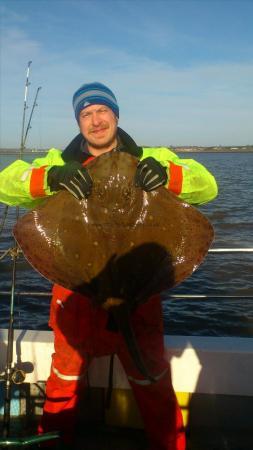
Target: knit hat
pixel 94 94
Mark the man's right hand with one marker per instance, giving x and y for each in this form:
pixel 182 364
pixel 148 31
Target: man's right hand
pixel 73 177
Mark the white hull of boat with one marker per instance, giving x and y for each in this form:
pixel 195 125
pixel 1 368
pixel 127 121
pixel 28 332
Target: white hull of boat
pixel 212 374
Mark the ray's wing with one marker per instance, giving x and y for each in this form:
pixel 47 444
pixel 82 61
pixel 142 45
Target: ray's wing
pixel 121 241
pixel 119 246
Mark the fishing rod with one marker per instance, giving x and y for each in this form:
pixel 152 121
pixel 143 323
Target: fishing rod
pixel 30 118
pixel 22 143
pixel 3 219
pixel 10 373
pixel 24 134
pixel 13 375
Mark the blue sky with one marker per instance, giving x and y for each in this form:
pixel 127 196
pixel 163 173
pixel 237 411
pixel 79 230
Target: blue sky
pixel 182 71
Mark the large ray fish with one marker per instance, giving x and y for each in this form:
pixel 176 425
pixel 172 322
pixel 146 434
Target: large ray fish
pixel 120 246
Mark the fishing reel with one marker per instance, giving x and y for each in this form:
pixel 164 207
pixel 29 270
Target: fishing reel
pixel 16 376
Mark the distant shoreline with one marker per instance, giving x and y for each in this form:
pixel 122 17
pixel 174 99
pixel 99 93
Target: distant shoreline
pixel 180 149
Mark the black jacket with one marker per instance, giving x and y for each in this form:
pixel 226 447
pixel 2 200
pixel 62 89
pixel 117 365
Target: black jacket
pixel 75 150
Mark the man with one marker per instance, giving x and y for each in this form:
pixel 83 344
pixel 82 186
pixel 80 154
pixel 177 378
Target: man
pixel 81 331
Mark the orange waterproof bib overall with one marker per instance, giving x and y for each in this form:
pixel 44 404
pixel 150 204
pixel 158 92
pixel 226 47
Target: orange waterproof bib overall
pixel 80 334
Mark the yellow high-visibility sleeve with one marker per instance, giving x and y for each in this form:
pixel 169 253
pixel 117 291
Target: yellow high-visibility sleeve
pixel 25 184
pixel 187 178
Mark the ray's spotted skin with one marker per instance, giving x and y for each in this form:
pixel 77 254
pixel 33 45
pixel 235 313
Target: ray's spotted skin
pixel 119 246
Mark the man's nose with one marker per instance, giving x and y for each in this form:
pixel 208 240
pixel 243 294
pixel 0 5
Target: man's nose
pixel 96 119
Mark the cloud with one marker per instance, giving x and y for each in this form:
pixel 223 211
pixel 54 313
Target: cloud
pixel 204 104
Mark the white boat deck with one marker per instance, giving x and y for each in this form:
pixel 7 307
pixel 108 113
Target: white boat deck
pixel 211 376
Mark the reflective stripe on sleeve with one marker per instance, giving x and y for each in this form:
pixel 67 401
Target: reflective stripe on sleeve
pixel 37 182
pixel 147 382
pixel 176 178
pixel 66 377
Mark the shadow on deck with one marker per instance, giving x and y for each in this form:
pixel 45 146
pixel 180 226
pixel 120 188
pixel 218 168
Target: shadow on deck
pixel 102 431
pixel 112 438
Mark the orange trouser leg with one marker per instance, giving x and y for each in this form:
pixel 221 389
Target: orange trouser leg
pixel 61 407
pixel 69 318
pixel 157 401
pixel 161 415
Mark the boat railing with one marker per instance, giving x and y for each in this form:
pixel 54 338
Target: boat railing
pixel 9 252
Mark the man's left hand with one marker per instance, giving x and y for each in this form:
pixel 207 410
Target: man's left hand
pixel 150 174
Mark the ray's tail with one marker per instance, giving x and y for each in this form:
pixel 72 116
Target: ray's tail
pixel 121 314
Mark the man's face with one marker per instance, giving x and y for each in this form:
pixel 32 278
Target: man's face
pixel 98 124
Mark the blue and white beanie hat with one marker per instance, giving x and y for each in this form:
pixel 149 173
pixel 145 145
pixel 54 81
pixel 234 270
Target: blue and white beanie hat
pixel 94 94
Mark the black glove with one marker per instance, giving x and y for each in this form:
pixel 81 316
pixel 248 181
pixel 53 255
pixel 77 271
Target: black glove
pixel 73 177
pixel 150 174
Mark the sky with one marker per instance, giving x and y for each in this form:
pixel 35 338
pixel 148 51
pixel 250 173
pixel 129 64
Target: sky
pixel 182 71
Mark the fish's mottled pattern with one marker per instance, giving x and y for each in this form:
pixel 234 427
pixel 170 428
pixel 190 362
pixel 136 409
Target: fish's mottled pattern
pixel 119 230
pixel 122 244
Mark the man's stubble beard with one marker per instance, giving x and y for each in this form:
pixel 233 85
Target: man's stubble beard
pixel 102 145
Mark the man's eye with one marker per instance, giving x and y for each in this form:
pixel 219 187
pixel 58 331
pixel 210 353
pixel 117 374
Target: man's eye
pixel 84 115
